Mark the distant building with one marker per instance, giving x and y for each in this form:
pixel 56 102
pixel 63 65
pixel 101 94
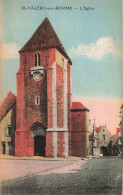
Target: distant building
pixel 121 126
pixel 102 139
pixel 7 124
pixel 80 130
pixel 91 144
pixel 115 144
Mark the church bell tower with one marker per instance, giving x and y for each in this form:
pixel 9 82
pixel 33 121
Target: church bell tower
pixel 43 96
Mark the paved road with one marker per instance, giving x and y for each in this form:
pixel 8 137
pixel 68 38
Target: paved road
pixel 96 176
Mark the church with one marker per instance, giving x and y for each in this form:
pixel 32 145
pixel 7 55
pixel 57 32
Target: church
pixel 43 101
pixel 43 96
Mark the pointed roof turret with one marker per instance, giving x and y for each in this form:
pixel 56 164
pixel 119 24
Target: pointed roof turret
pixel 44 38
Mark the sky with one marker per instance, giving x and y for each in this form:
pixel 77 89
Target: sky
pixel 91 33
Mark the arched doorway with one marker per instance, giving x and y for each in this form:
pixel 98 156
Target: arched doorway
pixel 105 151
pixel 39 141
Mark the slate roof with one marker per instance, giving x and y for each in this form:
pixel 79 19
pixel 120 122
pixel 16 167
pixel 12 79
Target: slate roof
pixel 78 106
pixel 44 38
pixel 7 104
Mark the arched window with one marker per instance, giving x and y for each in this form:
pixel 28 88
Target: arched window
pixel 37 59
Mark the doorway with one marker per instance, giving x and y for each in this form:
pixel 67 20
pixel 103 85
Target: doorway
pixel 104 151
pixel 39 145
pixel 3 148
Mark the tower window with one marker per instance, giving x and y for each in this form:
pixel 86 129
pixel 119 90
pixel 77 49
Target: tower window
pixel 37 59
pixel 37 100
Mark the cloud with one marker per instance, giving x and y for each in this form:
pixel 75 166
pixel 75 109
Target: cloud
pixel 104 110
pixel 104 46
pixel 9 51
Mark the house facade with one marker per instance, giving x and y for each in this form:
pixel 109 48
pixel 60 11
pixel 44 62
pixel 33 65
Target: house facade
pixel 121 126
pixel 7 124
pixel 115 144
pixel 102 139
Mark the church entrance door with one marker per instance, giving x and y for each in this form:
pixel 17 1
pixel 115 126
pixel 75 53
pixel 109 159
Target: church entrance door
pixel 39 135
pixel 39 145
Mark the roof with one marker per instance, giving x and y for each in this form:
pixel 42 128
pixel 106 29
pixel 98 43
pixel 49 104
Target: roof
pixel 102 127
pixel 78 106
pixel 98 128
pixel 7 104
pixel 117 130
pixel 44 38
pixel 122 106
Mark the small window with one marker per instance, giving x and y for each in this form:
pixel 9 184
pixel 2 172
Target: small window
pixel 9 130
pixel 103 137
pixel 3 148
pixel 10 145
pixel 37 100
pixel 37 59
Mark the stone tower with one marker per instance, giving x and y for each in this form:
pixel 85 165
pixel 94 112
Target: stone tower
pixel 43 96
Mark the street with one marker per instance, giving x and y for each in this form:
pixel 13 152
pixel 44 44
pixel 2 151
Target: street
pixel 94 176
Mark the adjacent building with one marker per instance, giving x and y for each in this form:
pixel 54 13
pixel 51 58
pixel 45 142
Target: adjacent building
pixel 7 124
pixel 102 139
pixel 115 144
pixel 80 130
pixel 121 126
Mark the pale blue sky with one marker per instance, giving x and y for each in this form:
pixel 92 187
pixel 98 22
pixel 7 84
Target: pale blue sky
pixel 92 77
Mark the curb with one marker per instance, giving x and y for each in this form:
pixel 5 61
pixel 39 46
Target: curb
pixel 70 158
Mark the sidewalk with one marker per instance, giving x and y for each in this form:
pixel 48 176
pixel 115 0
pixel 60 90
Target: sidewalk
pixel 13 169
pixel 40 158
